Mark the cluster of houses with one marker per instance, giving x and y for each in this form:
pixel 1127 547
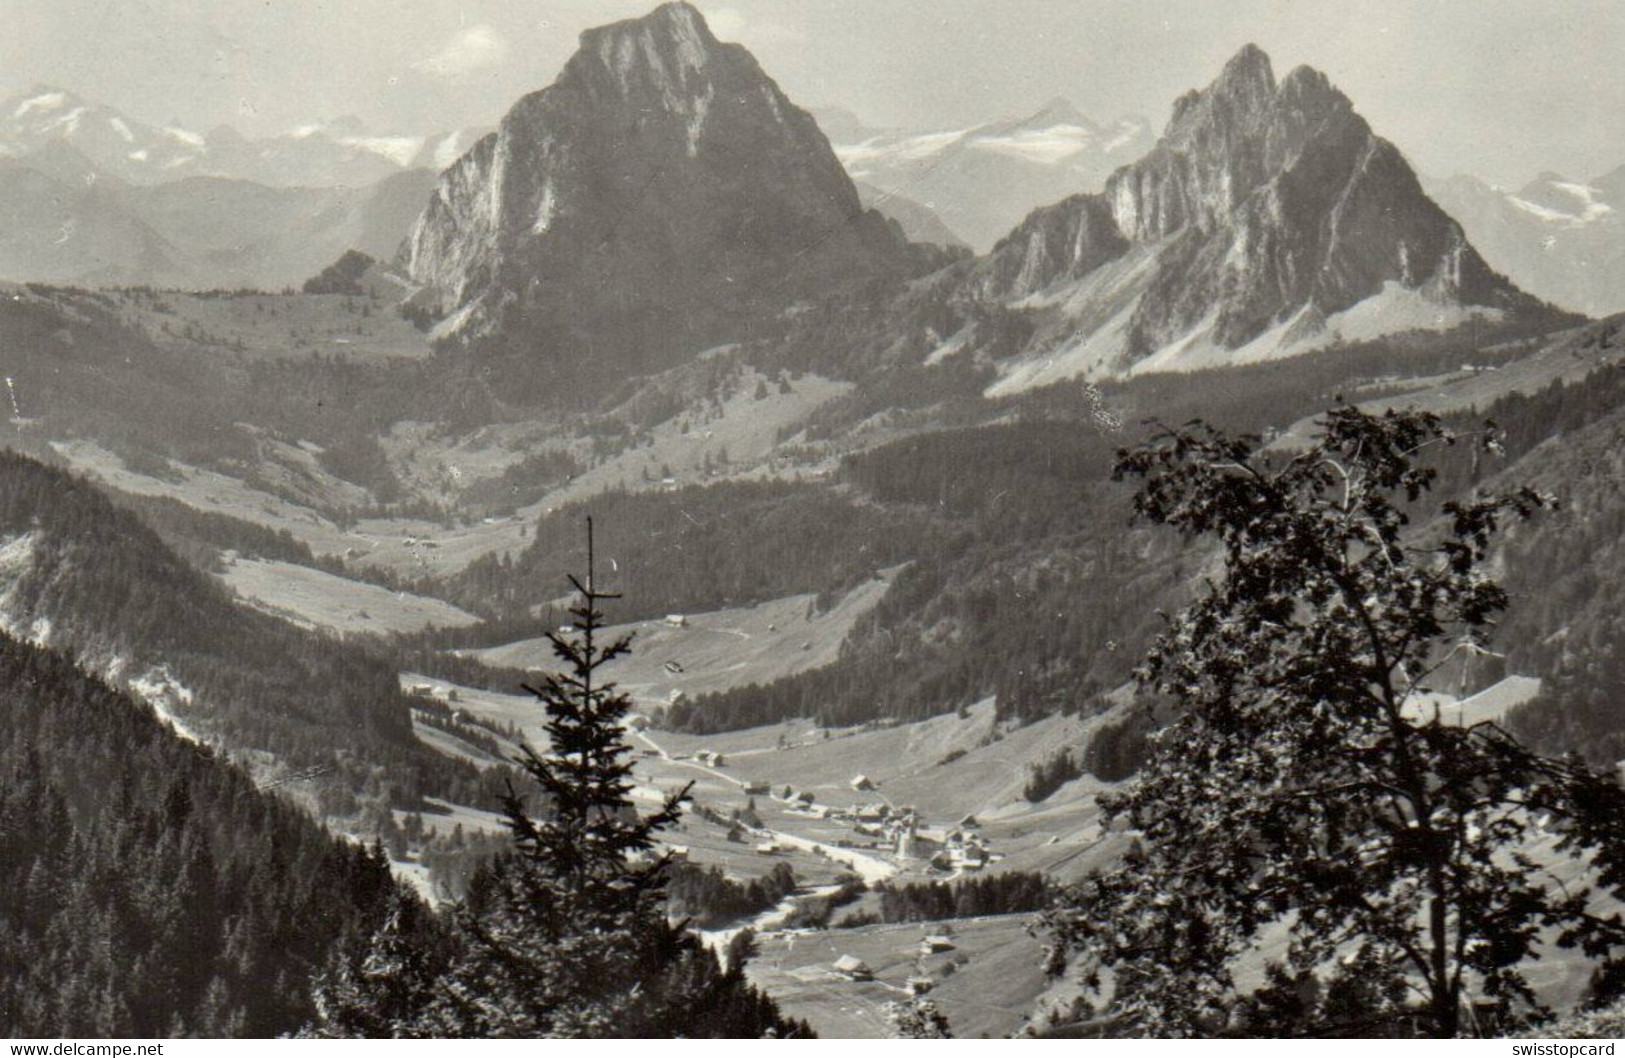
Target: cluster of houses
pixel 897 829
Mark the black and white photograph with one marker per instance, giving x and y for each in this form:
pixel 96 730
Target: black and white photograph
pixel 791 519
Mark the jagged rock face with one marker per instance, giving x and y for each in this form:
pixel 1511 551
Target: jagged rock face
pixel 1069 239
pixel 1264 203
pixel 662 194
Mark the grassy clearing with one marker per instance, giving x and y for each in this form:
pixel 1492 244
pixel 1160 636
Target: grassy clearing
pixel 721 649
pixel 997 973
pixel 315 599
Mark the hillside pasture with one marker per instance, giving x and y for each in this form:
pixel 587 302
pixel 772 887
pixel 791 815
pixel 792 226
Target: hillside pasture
pixel 313 598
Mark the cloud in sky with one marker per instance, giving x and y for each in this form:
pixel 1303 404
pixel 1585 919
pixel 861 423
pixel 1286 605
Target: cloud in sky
pixel 469 51
pixel 730 23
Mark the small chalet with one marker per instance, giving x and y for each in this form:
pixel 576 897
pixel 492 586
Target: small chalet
pixel 853 968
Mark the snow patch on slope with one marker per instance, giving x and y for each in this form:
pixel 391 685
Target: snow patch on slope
pixel 16 559
pixel 165 694
pixel 1048 146
pixel 47 101
pixel 881 149
pixel 398 149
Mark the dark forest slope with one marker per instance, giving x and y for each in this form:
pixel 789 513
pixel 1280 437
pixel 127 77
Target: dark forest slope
pixel 146 887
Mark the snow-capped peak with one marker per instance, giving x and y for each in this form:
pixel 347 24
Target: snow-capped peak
pixel 44 102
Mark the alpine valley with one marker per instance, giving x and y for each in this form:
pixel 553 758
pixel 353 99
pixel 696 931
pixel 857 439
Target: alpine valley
pixel 304 432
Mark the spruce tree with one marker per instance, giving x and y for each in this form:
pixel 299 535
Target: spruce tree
pixel 568 935
pixel 379 983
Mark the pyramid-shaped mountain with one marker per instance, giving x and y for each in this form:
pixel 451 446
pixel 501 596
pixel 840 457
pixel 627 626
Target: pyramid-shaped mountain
pixel 660 196
pixel 1268 220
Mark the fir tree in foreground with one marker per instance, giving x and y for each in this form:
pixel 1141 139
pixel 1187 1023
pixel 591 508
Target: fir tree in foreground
pixel 1414 866
pixel 568 936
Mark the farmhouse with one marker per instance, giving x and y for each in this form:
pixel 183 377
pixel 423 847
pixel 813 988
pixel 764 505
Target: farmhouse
pixel 768 848
pixel 676 620
pixel 752 789
pixel 854 968
pixel 936 942
pixel 862 782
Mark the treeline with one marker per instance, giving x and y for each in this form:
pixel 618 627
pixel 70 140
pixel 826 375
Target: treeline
pixel 1049 775
pixel 199 536
pixel 710 897
pixel 75 365
pixel 1007 893
pixel 698 549
pixel 147 889
pixel 1119 746
pixel 1031 584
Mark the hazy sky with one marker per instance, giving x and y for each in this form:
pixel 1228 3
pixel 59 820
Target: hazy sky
pixel 1502 88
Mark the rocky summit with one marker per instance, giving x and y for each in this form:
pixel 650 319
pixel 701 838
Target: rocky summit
pixel 661 196
pixel 1268 219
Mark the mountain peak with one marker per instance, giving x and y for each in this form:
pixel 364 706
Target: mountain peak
pixel 1246 86
pixel 666 46
pixel 1249 66
pixel 1264 213
pixel 1307 89
pixel 1058 111
pixel 662 195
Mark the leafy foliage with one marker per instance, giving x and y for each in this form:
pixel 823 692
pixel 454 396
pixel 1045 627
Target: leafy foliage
pixel 919 1018
pixel 1296 789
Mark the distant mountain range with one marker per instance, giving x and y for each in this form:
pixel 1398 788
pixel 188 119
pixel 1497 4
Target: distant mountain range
pixel 1562 239
pixel 92 196
pixel 982 181
pixel 341 153
pixel 62 221
pixel 637 204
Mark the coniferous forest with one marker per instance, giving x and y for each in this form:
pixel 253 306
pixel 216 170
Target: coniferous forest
pixel 147 887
